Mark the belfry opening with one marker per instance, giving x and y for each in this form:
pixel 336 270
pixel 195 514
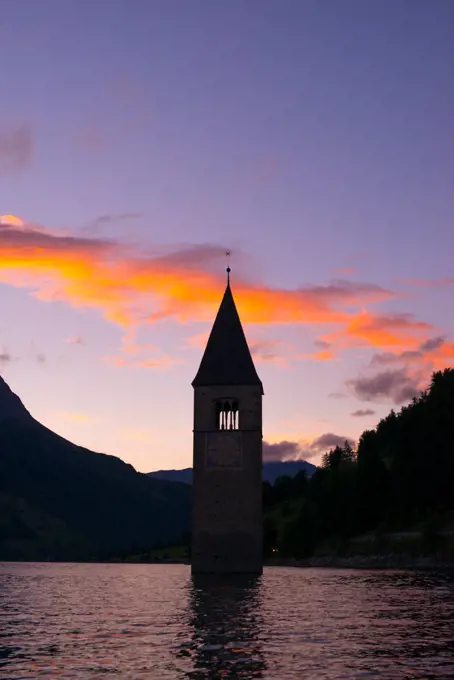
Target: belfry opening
pixel 227 415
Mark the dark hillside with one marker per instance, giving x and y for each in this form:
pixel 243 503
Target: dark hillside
pixel 95 502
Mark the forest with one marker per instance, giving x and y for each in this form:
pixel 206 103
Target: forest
pixel 399 481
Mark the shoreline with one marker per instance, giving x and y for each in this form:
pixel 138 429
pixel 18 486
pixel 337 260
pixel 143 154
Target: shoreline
pixel 358 562
pixel 383 562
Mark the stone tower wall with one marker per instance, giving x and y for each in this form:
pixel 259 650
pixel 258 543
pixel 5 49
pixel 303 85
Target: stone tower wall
pixel 227 506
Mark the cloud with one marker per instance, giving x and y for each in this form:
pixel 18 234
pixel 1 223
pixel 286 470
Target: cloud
pixel 118 362
pixel 142 356
pixel 283 450
pixel 422 354
pixel 385 330
pixel 302 450
pixel 322 344
pixel 5 358
pixel 159 363
pixel 413 367
pixel 274 351
pixel 318 356
pixel 139 349
pixel 443 356
pixel 349 293
pixel 327 441
pixel 109 218
pixel 16 150
pixel 362 413
pixel 76 340
pixel 336 395
pixel 397 386
pixel 432 344
pixel 386 358
pixel 130 287
pixel 346 271
pixel 11 220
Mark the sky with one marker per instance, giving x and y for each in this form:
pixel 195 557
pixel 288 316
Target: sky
pixel 141 139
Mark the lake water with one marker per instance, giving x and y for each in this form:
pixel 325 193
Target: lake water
pixel 152 621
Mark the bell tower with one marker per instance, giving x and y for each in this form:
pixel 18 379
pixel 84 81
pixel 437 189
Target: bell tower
pixel 227 464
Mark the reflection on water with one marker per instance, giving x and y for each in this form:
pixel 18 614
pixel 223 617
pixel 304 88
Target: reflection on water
pixel 154 621
pixel 226 625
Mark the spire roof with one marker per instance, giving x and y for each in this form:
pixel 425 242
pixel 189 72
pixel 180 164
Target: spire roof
pixel 227 359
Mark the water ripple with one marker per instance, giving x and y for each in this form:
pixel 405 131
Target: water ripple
pixel 154 621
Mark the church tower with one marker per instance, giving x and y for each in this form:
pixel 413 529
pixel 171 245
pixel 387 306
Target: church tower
pixel 227 466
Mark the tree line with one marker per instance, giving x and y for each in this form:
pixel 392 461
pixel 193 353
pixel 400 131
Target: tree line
pixel 400 477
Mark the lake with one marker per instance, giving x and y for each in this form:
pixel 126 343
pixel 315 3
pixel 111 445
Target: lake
pixel 152 621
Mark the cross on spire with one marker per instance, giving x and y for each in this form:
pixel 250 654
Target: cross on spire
pixel 228 270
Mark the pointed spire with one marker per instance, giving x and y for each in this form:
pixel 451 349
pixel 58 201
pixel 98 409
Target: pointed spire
pixel 227 359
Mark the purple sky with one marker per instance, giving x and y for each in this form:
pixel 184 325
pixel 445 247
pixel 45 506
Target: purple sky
pixel 312 138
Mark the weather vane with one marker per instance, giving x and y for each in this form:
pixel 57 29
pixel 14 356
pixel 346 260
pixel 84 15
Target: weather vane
pixel 227 254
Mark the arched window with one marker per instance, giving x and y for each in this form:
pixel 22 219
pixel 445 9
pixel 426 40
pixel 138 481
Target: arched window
pixel 227 415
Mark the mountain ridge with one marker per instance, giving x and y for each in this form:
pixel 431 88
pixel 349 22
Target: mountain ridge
pixel 271 471
pixel 11 405
pixel 63 501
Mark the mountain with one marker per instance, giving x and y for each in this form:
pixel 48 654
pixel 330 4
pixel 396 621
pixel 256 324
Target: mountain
pixel 288 468
pixel 181 476
pixel 271 471
pixel 62 501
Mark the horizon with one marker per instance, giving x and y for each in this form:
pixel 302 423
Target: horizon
pixel 314 143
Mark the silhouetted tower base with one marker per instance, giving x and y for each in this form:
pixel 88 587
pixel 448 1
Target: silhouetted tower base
pixel 227 505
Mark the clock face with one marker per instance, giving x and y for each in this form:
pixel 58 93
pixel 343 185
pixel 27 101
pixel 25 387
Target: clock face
pixel 223 449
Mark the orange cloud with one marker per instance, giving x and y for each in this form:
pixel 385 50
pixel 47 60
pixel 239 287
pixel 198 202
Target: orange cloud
pixel 159 363
pixel 141 356
pixel 137 349
pixel 117 361
pixel 381 331
pixel 443 356
pixel 325 355
pixel 11 220
pixel 130 288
